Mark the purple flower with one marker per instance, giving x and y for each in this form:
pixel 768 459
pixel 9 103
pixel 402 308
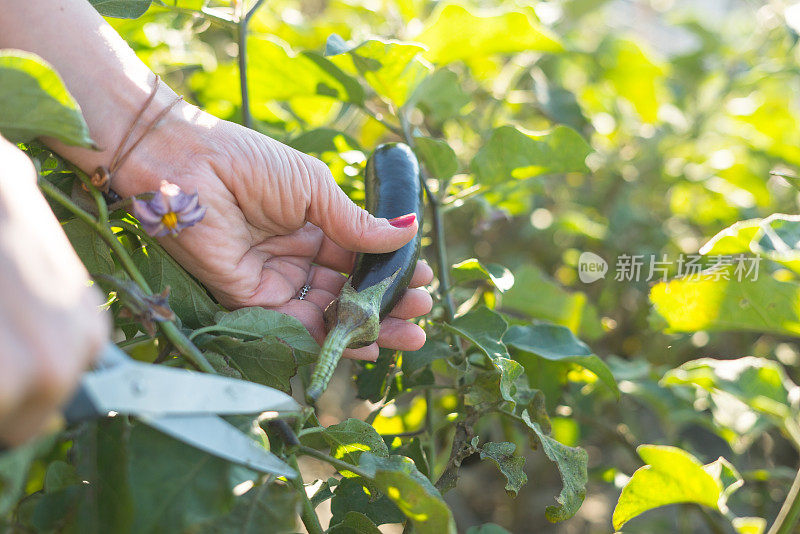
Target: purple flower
pixel 169 211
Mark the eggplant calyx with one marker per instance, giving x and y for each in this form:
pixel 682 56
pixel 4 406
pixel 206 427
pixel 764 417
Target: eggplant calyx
pixel 353 321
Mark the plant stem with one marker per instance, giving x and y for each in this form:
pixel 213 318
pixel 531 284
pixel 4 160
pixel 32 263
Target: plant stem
pixel 247 119
pixel 335 462
pixel 442 265
pixel 170 330
pixel 223 329
pixel 790 510
pixel 307 515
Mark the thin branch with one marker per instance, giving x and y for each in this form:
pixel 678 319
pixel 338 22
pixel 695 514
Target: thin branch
pixel 169 328
pixel 247 119
pixel 790 510
pixel 335 462
pixel 307 514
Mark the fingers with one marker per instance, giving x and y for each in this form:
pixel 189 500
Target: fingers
pixel 349 226
pixel 397 334
pixel 423 275
pixel 413 303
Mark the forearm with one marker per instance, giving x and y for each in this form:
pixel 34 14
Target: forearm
pixel 100 70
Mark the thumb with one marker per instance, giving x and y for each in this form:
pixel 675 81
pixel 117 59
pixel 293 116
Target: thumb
pixel 352 227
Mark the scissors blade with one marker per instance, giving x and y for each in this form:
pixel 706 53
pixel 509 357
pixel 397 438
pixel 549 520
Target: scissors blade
pixel 219 438
pixel 134 388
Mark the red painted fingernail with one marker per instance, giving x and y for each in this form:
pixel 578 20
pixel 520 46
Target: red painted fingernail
pixel 404 221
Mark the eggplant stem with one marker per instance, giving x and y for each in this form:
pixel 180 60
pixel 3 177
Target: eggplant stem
pixel 329 355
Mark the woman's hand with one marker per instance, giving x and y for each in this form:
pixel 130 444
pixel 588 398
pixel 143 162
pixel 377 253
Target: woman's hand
pixel 51 326
pixel 275 221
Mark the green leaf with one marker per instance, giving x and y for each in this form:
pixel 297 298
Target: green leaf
pixel 268 506
pixel 761 384
pixel 671 476
pixel 453 33
pixel 488 528
pixel 390 67
pixel 552 303
pixel 350 496
pixel 35 102
pixel 572 464
pixel 121 9
pixel 633 75
pixel 262 322
pixel 710 302
pixel 398 478
pixel 749 525
pixel 559 104
pixel 512 466
pixel 438 157
pixel 322 140
pixel 276 72
pixel 355 523
pixel 433 350
pixel 496 384
pixel 187 298
pixel 267 361
pixel 472 269
pixel 371 378
pixel 14 467
pixel 558 343
pixel 441 95
pixel 511 153
pixel 192 486
pixel 485 329
pixel 352 437
pixel 90 247
pixel 735 239
pixel 776 238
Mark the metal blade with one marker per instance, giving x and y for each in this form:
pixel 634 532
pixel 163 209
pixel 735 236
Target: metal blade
pixel 219 438
pixel 135 388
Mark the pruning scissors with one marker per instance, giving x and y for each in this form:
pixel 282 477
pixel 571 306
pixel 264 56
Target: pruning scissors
pixel 183 404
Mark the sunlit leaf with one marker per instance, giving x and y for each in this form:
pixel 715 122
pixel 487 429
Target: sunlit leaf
pixel 776 238
pixel 709 302
pixel 558 343
pixel 350 438
pixel 392 68
pixel 511 153
pixel 635 76
pixel 398 478
pixel 351 496
pixel 454 33
pixel 671 476
pixel 572 464
pixel 760 383
pixel 472 269
pixel 35 102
